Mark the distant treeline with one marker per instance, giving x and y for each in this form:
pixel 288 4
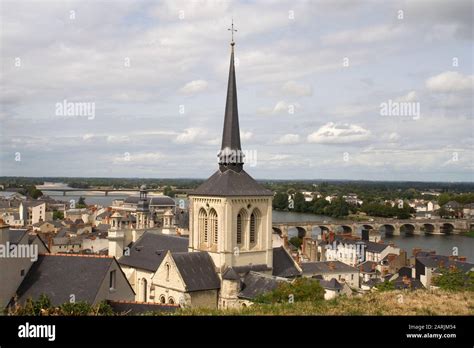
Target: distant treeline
pixel 369 191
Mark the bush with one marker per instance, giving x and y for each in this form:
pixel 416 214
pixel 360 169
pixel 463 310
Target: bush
pixel 43 306
pixel 300 290
pixel 454 279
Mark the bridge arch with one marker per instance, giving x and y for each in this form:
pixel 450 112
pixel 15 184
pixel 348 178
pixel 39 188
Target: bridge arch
pixel 447 228
pixel 387 229
pixel 344 229
pixel 407 229
pixel 428 228
pixel 278 231
pixel 296 231
pixel 323 228
pixel 367 227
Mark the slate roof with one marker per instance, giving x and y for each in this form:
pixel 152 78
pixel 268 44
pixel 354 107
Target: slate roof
pixel 231 183
pixel 283 264
pixel 148 251
pixel 59 276
pixel 412 284
pixel 248 268
pixel 327 267
pixel 15 236
pixel 230 274
pixel 255 284
pixel 197 270
pixel 134 308
pixel 367 267
pixel 373 247
pixel 438 261
pixel 332 284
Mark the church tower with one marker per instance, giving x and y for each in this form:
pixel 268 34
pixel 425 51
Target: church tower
pixel 230 213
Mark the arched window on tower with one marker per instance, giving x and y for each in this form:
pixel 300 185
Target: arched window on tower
pixel 254 226
pixel 213 226
pixel 202 226
pixel 241 227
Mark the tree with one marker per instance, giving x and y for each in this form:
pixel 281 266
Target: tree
pixel 168 191
pixel 318 206
pixel 58 215
pixel 296 241
pixel 280 201
pixel 337 208
pixel 81 203
pixel 299 203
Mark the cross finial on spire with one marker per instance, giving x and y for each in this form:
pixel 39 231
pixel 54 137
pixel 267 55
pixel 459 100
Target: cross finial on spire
pixel 232 31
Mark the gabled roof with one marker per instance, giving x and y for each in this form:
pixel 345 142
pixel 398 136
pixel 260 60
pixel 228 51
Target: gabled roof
pixel 283 264
pixel 332 284
pixel 197 270
pixel 327 267
pixel 58 276
pixel 150 249
pixel 230 274
pixel 255 284
pixel 231 183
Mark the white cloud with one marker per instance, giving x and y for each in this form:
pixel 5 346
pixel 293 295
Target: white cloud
pixel 339 133
pixel 191 135
pixel 297 89
pixel 281 107
pixel 363 35
pixel 409 97
pixel 114 139
pixel 288 139
pixel 195 86
pixel 450 81
pixel 246 135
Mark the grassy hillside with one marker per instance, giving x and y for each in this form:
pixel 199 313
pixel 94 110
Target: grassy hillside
pixel 420 302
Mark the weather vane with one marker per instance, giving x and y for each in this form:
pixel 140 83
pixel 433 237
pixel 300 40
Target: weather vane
pixel 232 31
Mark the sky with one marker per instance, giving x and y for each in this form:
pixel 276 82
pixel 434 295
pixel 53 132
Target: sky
pixel 336 89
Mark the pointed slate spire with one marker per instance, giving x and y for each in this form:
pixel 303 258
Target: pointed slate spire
pixel 231 155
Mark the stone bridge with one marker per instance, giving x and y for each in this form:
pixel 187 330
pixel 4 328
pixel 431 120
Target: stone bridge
pixel 384 226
